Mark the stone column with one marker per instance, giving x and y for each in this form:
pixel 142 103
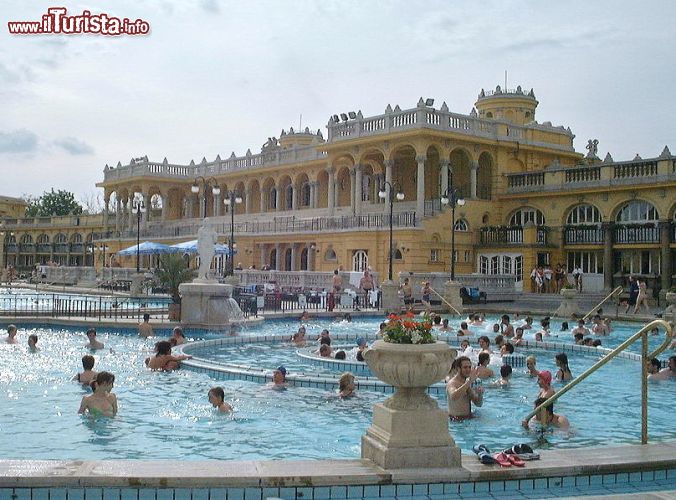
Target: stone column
pixel 444 176
pixel 311 258
pixel 165 205
pixel 106 202
pixel 278 198
pixel 202 208
pixel 293 256
pixel 353 187
pixel 420 191
pixel 377 182
pixel 665 250
pixel 217 204
pixel 264 252
pixel 388 178
pixel 331 202
pixel 145 216
pixel 247 200
pixel 264 208
pixel 474 168
pixel 118 214
pixel 358 188
pixel 278 257
pixel 608 230
pixel 130 214
pixel 294 198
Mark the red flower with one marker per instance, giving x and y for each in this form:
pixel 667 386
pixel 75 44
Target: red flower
pixel 410 314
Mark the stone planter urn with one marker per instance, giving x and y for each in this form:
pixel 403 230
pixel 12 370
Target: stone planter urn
pixel 409 429
pixel 569 305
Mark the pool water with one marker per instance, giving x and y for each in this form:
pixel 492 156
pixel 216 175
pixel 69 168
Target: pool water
pixel 167 415
pixel 23 299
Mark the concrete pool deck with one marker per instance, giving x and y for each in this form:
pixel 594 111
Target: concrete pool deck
pixel 557 464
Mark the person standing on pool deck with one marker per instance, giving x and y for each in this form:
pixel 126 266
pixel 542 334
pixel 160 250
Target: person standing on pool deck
pixel 426 292
pixel 145 329
pixel 11 335
pixel 102 403
pixel 93 343
pixel 459 390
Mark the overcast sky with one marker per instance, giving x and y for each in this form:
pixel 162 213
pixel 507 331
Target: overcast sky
pixel 217 76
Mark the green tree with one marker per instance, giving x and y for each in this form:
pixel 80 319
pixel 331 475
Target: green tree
pixel 52 202
pixel 172 272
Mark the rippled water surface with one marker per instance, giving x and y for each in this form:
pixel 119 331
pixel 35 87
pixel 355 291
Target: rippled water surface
pixel 167 415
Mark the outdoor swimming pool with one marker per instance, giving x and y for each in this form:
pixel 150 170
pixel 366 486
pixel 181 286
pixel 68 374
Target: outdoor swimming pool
pixel 166 415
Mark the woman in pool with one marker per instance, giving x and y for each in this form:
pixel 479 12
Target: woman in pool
pixel 102 403
pixel 178 335
pixel 545 384
pixel 346 385
pixel 278 379
pixel 564 374
pixel 11 335
pixel 532 371
pixel 298 338
pixel 163 359
pixel 217 399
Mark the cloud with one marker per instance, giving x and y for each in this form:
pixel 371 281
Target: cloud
pixel 18 141
pixel 210 6
pixel 74 146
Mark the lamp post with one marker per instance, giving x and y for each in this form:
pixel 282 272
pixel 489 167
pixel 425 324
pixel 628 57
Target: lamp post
pixel 452 198
pixel 383 194
pixel 206 184
pixel 103 248
pixel 138 208
pixel 233 198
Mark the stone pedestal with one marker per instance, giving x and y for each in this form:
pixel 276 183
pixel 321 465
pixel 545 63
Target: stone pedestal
pixel 569 305
pixel 136 287
pixel 208 304
pixel 409 429
pixel 452 296
pixel 231 280
pixel 391 302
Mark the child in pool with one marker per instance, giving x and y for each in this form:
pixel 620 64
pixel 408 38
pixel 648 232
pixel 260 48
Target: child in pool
pixel 88 375
pixel 163 359
pixel 346 385
pixel 217 397
pixel 102 403
pixel 505 375
pixel 564 374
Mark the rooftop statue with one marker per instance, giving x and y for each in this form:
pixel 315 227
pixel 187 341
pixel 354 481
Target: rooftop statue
pixel 593 148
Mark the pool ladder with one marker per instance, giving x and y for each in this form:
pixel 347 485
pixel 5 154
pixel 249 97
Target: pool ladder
pixel 645 357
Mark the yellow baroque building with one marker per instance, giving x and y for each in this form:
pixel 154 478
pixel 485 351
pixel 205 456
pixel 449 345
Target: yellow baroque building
pixel 310 203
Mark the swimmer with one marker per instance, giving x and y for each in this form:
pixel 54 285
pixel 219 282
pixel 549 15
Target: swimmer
pixel 163 359
pixel 324 337
pixel 545 384
pixel 93 343
pixel 531 363
pixel 484 343
pixel 564 326
pixel 11 335
pixel 298 338
pixel 580 328
pixel 32 343
pixel 436 320
pixel 506 328
pixel 102 403
pixel 463 329
pixel 88 375
pixel 528 323
pixel 518 338
pixel 278 379
pixel 340 355
pixel 654 366
pixel 216 397
pixel 477 321
pixel 381 329
pixel 496 328
pixel 445 327
pixel 507 349
pixel 459 390
pixel 546 417
pixel 499 341
pixel 599 328
pixel 305 316
pixel 325 351
pixel 538 337
pixel 666 373
pixel 482 370
pixel 544 330
pixel 579 338
pixel 346 385
pixel 347 318
pixel 464 345
pixel 564 374
pixel 145 329
pixel 361 347
pixel 178 335
pixel 505 375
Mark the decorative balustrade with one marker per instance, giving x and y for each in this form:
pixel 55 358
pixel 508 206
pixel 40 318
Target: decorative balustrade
pixel 510 235
pixel 583 235
pixel 637 233
pixel 525 180
pixel 585 174
pixel 490 283
pixel 635 169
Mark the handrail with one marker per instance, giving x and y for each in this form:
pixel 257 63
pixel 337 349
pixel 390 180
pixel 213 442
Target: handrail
pixel 617 291
pixel 643 333
pixel 445 301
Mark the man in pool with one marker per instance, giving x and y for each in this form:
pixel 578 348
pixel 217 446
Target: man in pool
pixel 102 403
pixel 93 343
pixel 11 335
pixel 444 326
pixel 506 327
pixel 88 375
pixel 546 417
pixel 459 390
pixel 217 399
pixel 665 373
pixel 145 329
pixel 580 328
pixel 163 359
pixel 33 343
pixel 484 343
pixel 482 369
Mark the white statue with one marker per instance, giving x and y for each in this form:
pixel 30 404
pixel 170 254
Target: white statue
pixel 206 239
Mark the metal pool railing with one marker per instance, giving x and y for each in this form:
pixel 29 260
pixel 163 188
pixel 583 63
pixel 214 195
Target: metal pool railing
pixel 77 306
pixel 645 357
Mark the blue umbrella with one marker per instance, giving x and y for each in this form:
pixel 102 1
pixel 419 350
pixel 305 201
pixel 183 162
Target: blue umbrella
pixel 191 247
pixel 146 248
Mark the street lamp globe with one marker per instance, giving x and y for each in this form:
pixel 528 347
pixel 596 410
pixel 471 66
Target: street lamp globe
pixel 461 202
pixel 400 196
pixel 216 190
pixel 195 188
pixel 382 194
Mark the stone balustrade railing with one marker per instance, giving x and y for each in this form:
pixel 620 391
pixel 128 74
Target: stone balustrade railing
pixel 306 280
pixel 489 283
pixel 650 171
pixel 85 221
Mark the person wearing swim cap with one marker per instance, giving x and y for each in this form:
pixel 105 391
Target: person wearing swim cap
pixel 545 384
pixel 278 378
pixel 361 347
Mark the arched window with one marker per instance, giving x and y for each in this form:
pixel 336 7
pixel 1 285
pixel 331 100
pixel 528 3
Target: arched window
pixel 461 225
pixel 360 260
pixel 330 254
pixel 584 214
pixel 60 238
pixel 489 115
pixel 396 254
pixel 525 215
pixel 304 259
pixel 637 212
pixel 76 238
pixel 273 259
pixel 27 239
pixel 272 199
pixel 288 262
pixel 305 195
pixel 43 239
pixel 288 194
